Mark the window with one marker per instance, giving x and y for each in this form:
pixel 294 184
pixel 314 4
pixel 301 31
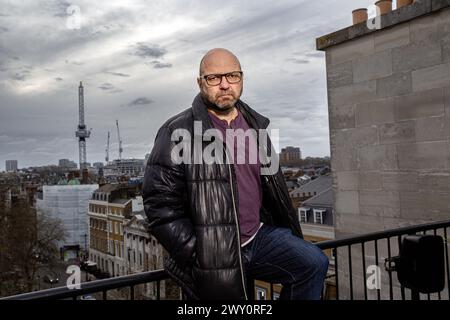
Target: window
pixel 318 216
pixel 303 216
pixel 261 293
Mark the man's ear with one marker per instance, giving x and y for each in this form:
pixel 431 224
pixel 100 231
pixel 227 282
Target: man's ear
pixel 199 82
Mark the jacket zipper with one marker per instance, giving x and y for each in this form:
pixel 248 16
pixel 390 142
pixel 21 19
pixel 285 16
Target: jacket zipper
pixel 237 224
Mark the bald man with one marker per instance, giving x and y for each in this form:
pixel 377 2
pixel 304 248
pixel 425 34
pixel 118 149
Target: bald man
pixel 225 223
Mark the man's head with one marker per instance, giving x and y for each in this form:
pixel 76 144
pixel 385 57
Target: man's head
pixel 222 91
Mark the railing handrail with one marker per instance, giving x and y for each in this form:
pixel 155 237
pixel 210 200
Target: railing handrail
pixel 93 286
pixel 330 244
pixel 158 275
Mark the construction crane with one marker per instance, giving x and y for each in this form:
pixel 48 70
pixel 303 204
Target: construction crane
pixel 82 133
pixel 107 150
pixel 120 140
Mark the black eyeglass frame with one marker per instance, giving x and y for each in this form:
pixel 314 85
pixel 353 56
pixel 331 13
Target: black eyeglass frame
pixel 221 75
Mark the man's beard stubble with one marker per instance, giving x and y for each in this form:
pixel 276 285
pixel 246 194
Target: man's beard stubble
pixel 220 108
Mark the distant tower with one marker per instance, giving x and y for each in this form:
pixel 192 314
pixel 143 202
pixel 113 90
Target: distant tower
pixel 107 151
pixel 120 140
pixel 82 133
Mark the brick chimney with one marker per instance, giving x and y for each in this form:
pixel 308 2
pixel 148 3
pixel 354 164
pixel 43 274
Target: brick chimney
pixel 385 6
pixel 359 15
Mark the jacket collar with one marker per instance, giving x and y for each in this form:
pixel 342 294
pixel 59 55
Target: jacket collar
pixel 254 119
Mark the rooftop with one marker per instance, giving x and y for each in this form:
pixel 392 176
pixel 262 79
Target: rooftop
pixel 318 185
pixel 401 15
pixel 322 199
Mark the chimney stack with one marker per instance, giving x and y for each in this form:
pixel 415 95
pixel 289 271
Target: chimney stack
pixel 385 6
pixel 359 15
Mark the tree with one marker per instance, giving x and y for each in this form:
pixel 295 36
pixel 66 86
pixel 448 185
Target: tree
pixel 28 242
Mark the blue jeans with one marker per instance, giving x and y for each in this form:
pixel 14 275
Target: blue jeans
pixel 276 255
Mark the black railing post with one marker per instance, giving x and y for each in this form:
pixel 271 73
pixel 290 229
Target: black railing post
pixel 336 272
pixel 131 292
pixel 350 271
pixel 271 291
pixel 402 288
pixel 364 269
pixel 439 294
pixel 446 262
pixel 391 291
pixel 377 263
pixel 158 290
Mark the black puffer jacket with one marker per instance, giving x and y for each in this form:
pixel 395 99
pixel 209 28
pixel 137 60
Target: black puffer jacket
pixel 192 210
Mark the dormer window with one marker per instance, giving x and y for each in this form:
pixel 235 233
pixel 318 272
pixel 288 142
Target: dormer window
pixel 318 216
pixel 303 214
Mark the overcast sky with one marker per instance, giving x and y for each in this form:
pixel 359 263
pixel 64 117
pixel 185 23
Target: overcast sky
pixel 138 61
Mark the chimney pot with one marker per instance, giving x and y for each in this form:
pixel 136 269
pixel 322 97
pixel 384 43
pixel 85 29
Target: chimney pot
pixel 359 15
pixel 402 3
pixel 384 6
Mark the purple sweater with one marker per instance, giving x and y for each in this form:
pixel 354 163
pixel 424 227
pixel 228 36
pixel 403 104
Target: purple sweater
pixel 247 176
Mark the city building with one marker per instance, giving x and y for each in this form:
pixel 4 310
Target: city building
pixel 109 209
pixel 143 253
pixel 11 165
pixel 128 167
pixel 311 188
pixel 66 163
pixel 290 153
pixel 98 165
pixel 68 203
pixel 316 217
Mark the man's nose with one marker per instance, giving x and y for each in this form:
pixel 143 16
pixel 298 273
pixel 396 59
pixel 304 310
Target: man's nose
pixel 224 83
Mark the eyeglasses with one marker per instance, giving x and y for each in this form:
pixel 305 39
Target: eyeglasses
pixel 216 79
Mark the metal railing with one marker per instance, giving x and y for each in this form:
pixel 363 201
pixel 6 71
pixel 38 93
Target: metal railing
pixel 103 286
pixel 361 242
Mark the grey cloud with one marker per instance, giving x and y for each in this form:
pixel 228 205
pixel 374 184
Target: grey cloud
pixel 315 54
pixel 58 8
pixel 59 79
pixel 4 29
pixel 78 63
pixel 298 61
pixel 21 76
pixel 119 74
pixel 160 65
pixel 149 50
pixel 108 87
pixel 142 101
